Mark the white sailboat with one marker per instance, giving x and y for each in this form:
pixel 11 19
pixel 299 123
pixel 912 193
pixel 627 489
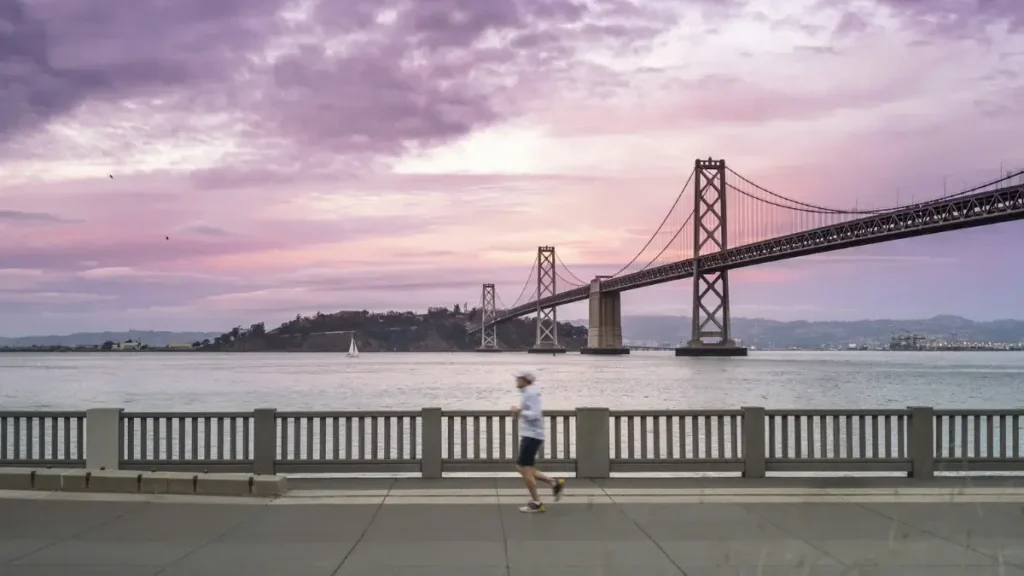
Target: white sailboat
pixel 353 351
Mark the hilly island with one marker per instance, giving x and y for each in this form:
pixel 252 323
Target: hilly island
pixel 438 330
pixel 447 330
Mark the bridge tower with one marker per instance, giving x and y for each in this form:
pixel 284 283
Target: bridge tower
pixel 711 328
pixel 488 334
pixel 547 317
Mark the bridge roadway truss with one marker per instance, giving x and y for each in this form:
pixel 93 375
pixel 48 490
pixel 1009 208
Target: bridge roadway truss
pixel 985 208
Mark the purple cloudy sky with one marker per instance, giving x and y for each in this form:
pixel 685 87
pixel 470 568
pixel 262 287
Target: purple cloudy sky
pixel 379 154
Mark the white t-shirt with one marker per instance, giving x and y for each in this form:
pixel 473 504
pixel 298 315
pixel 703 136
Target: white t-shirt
pixel 531 416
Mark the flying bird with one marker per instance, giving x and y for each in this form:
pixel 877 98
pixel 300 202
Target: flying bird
pixel 111 176
pixel 167 237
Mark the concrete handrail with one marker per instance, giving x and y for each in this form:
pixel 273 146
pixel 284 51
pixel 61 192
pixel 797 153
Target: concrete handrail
pixel 591 442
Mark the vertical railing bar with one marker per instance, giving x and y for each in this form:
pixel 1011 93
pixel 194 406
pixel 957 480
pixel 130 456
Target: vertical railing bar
pixel 374 437
pixel 643 437
pixel 798 436
pixel 657 437
pixel 349 444
pixel 476 437
pixel 721 436
pixel 977 436
pixel 630 438
pixel 362 438
pixel 951 431
pixel 463 438
pixel 451 436
pixel 695 439
pixel 336 437
pixel 618 438
pixel 3 437
pixel 901 423
pixel 708 437
pixel 66 452
pixel 323 438
pixel 566 443
pixel 501 437
pixel 245 438
pixel 734 437
pixel 207 438
pixel 785 435
pixel 129 424
pixel 29 445
pixel 990 439
pixel 681 425
pixel 413 432
pixel 964 445
pixel 1016 435
pixel 489 439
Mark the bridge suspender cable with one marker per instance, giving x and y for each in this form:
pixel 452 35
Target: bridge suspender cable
pixel 686 186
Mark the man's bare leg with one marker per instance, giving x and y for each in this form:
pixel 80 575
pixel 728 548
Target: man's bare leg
pixel 528 474
pixel 542 477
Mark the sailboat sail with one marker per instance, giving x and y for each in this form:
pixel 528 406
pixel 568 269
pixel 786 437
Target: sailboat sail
pixel 353 351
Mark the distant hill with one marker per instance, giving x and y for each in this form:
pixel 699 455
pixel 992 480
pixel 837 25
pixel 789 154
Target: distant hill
pixel 439 330
pixel 806 334
pixel 153 338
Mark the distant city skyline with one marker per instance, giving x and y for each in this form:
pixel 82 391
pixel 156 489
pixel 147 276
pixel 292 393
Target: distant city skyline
pixel 199 165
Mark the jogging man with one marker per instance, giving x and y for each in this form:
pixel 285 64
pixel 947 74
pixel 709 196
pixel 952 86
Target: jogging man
pixel 531 430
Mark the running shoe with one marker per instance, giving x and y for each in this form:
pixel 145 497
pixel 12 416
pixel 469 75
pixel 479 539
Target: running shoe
pixel 557 487
pixel 532 507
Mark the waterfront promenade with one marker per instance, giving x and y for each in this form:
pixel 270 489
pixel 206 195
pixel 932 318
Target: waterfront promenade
pixel 769 527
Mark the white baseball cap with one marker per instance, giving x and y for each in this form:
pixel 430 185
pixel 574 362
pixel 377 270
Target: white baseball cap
pixel 525 375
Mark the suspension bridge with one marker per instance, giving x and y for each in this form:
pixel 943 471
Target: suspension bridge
pixel 694 241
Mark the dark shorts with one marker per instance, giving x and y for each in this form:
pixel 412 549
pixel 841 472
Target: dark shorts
pixel 528 448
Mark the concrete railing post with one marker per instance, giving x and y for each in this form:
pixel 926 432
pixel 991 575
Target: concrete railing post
pixel 921 438
pixel 753 442
pixel 430 463
pixel 264 439
pixel 593 459
pixel 103 438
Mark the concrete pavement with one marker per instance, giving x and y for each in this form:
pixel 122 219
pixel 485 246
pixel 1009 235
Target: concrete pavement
pixel 472 527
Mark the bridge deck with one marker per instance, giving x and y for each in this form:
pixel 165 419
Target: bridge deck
pixel 473 528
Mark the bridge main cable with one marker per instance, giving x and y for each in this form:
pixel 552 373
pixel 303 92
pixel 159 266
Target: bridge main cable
pixel 679 197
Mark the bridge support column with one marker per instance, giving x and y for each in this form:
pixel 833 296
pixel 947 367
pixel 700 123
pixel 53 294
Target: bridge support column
pixel 604 335
pixel 547 317
pixel 488 330
pixel 711 329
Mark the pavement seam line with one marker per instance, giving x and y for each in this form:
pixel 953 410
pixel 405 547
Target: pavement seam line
pixel 69 538
pixel 504 535
pixel 783 530
pixel 362 535
pixel 644 532
pixel 997 558
pixel 203 547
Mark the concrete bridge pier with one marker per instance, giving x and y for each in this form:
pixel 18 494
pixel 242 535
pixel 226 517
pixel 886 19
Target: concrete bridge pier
pixel 604 334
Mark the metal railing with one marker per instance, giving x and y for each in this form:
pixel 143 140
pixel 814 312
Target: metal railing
pixel 590 442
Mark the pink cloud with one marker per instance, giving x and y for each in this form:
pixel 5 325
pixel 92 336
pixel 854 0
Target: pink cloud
pixel 253 179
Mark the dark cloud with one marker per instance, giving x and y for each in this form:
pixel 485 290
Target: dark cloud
pixel 850 24
pixel 19 217
pixel 353 77
pixel 962 19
